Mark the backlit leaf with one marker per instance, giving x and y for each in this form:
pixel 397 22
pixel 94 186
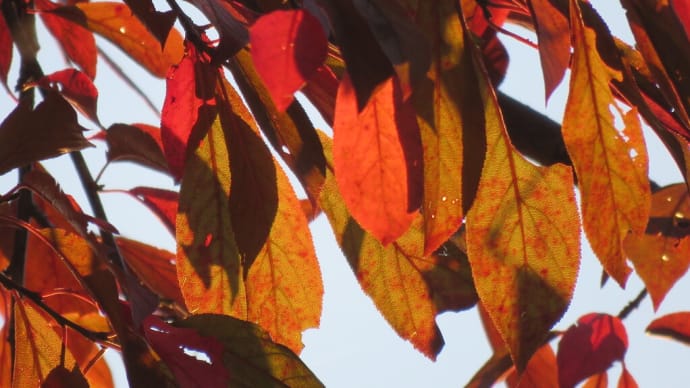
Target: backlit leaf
pixel 77 42
pixel 61 377
pixel 522 239
pixel 445 106
pixel 378 160
pixel 162 203
pixel 189 107
pixel 611 167
pixel 321 91
pixel 590 347
pixel 662 255
pixel 5 330
pixel 251 358
pixel 230 23
pixel 674 325
pixel 28 135
pixel 159 23
pixel 76 87
pixel 404 284
pixel 209 267
pixel 175 346
pixel 541 371
pixel 682 10
pixel 38 347
pixel 138 143
pixel 5 50
pixel 253 192
pixel 84 351
pixel 153 266
pixel 626 380
pixel 554 42
pixel 117 23
pixel 287 48
pixel 600 380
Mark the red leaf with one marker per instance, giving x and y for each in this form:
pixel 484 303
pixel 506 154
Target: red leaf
pixel 682 9
pixel 626 380
pixel 230 21
pixel 76 87
pixel 554 42
pixel 162 203
pixel 321 90
pixel 189 107
pixel 378 159
pixel 5 50
pixel 77 41
pixel 590 347
pixel 182 349
pixel 138 143
pixel 287 48
pixel 675 325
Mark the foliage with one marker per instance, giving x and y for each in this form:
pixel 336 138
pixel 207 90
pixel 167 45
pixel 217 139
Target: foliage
pixel 442 193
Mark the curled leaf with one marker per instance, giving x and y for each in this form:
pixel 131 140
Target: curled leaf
pixel 675 325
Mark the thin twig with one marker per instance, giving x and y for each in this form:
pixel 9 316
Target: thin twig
pixel 633 304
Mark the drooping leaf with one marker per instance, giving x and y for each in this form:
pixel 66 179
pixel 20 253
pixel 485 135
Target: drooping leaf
pixel 159 23
pixel 522 239
pixel 554 42
pixel 611 167
pixel 590 347
pixel 5 50
pixel 287 48
pixel 28 135
pixel 284 287
pixel 626 380
pixel 253 192
pixel 251 358
pixel 153 266
pixel 209 267
pixel 445 107
pixel 227 17
pixel 76 87
pixel 138 143
pixel 600 380
pixel 404 285
pixel 674 325
pixel 541 371
pixel 177 347
pixel 321 91
pixel 162 203
pixel 117 23
pixel 662 255
pixel 378 159
pixel 76 41
pixel 38 347
pixel 189 107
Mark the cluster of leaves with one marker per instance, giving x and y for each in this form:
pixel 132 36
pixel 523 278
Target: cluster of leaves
pixel 442 193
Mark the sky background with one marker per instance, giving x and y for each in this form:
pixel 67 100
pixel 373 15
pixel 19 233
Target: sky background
pixel 355 346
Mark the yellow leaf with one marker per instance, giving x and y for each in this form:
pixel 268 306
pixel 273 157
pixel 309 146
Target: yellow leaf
pixel 522 239
pixel 611 167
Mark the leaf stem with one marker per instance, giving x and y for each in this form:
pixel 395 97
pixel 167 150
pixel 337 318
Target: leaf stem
pixel 633 304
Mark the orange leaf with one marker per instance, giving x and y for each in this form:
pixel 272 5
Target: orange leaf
pixel 377 159
pixel 590 347
pixel 522 239
pixel 287 48
pixel 209 266
pixel 626 380
pixel 541 371
pixel 138 143
pixel 163 203
pixel 612 181
pixel 445 106
pixel 404 285
pixel 662 255
pixel 554 42
pixel 600 380
pixel 117 23
pixel 154 267
pixel 84 351
pixel 77 42
pixel 675 325
pixel 5 330
pixel 38 347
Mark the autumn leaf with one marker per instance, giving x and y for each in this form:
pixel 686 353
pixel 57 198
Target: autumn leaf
pixel 661 256
pixel 251 358
pixel 159 23
pixel 445 106
pixel 522 239
pixel 541 371
pixel 61 377
pixel 38 347
pixel 403 283
pixel 180 347
pixel 554 42
pixel 682 10
pixel 31 134
pixel 600 380
pixel 5 51
pixel 76 87
pixel 89 358
pixel 674 325
pixel 163 203
pixel 611 167
pixel 590 347
pixel 209 265
pixel 287 48
pixel 138 143
pixel 77 42
pixel 377 159
pixel 626 380
pixel 231 24
pixel 117 23
pixel 189 107
pixel 5 338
